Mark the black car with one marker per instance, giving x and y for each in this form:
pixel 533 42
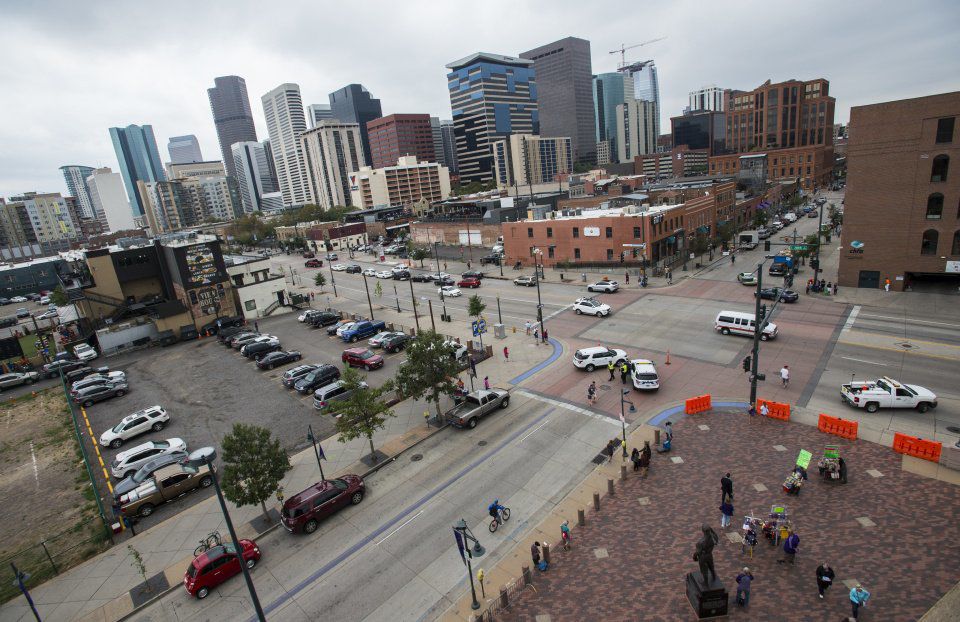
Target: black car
pixel 4 301
pixel 257 351
pixel 421 277
pixel 100 392
pixel 320 377
pixel 353 269
pixel 786 295
pixel 324 318
pixel 777 269
pixel 401 275
pixel 79 373
pixel 472 274
pixel 225 334
pixel 52 370
pixel 395 342
pixel 445 280
pixel 278 357
pixel 291 376
pixel 214 327
pixel 490 259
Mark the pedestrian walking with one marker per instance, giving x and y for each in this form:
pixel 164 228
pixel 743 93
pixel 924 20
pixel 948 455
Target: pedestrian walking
pixel 785 376
pixel 486 382
pixel 886 285
pixel 545 336
pixel 624 371
pixel 790 546
pixel 626 277
pixel 726 488
pixel 669 277
pixel 528 327
pixel 824 578
pixel 536 336
pixel 726 513
pixel 611 367
pixel 645 459
pixel 836 286
pixel 858 598
pixel 764 411
pixel 565 534
pixel 256 326
pixel 535 553
pixel 592 393
pixel 608 451
pixel 743 587
pixel 807 291
pixel 635 459
pixel 733 258
pixel 829 289
pixel 506 353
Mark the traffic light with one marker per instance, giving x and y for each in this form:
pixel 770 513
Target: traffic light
pixel 815 263
pixel 766 245
pixel 747 361
pixel 763 311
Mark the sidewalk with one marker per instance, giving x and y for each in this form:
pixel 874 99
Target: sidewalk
pixel 106 587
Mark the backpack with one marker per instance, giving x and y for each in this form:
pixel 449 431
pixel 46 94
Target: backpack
pixel 542 566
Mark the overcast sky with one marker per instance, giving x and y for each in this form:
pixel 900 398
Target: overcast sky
pixel 73 69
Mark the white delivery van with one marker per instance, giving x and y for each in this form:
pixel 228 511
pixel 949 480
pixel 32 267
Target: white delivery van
pixel 739 323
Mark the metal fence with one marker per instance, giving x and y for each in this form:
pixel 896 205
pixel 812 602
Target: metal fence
pixel 50 557
pixel 509 593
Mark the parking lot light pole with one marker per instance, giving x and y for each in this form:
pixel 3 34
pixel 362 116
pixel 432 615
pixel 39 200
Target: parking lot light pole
pixel 623 419
pixel 205 457
pixel 333 281
pixel 499 315
pixel 369 302
pixel 313 439
pixel 413 301
pixel 537 268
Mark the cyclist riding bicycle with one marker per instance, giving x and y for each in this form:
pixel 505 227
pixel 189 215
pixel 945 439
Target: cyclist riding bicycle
pixel 494 509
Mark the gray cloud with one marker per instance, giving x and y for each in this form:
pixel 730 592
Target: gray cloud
pixel 71 70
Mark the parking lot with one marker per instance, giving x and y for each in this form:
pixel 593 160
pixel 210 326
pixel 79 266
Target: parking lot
pixel 206 388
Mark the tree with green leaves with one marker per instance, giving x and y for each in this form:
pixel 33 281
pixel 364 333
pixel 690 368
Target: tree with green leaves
pixel 364 411
pixel 378 290
pixel 760 218
pixel 59 297
pixel 725 232
pixel 319 280
pixel 418 253
pixel 475 309
pixel 254 464
pixel 430 369
pixel 700 244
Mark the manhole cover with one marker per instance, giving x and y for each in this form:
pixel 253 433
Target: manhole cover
pixel 416 457
pixel 604 387
pixel 482 443
pixel 905 346
pixel 953 429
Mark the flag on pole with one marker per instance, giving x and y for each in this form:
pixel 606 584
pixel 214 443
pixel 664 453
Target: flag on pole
pixel 320 450
pixel 459 538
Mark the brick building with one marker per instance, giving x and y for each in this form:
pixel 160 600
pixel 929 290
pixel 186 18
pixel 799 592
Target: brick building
pixel 399 135
pixel 902 207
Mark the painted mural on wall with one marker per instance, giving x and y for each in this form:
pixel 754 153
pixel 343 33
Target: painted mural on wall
pixel 201 266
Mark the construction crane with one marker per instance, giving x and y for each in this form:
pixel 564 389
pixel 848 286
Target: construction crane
pixel 623 49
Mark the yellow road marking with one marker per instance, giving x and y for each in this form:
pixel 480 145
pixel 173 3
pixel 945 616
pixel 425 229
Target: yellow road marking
pixel 96 448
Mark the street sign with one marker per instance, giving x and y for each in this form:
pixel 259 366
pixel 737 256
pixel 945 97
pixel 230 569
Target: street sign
pixel 798 247
pixel 479 326
pixel 635 245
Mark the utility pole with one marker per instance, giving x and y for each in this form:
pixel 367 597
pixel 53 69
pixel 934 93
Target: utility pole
pixel 537 268
pixel 819 226
pixel 413 301
pixel 758 325
pixel 369 302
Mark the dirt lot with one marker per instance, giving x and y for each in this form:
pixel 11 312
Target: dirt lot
pixel 45 495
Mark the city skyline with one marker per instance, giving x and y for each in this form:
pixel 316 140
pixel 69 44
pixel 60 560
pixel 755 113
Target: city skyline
pixel 123 78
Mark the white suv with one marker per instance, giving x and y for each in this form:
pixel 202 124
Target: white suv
pixel 591 306
pixel 127 462
pixel 644 375
pixel 154 418
pixel 85 352
pixel 604 286
pixel 598 356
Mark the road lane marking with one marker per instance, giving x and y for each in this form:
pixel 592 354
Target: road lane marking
pixel 533 431
pixel 849 358
pixel 574 408
pixel 914 321
pixel 36 470
pixel 402 525
pixel 900 350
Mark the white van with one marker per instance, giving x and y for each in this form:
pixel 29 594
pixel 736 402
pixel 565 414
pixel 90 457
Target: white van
pixel 790 217
pixel 738 323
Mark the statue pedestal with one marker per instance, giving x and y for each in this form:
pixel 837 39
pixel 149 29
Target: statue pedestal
pixel 710 601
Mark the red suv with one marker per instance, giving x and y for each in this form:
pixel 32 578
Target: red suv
pixel 313 263
pixel 303 511
pixel 469 282
pixel 216 565
pixel 362 357
pixel 308 255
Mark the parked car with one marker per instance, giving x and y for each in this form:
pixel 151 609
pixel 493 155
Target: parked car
pixel 321 376
pixel 813 214
pixel 85 352
pixel 291 376
pixel 362 357
pixel 472 274
pixel 279 357
pixel 361 330
pixel 224 335
pixel 98 378
pixel 603 286
pixel 47 315
pixel 644 375
pixel 369 272
pixel 528 281
pixel 449 291
pixel 18 299
pixel 22 312
pixel 313 263
pixel 777 269
pixel 345 327
pixel 306 315
pixel 376 340
pixel 490 259
pixel 338 267
pixel 353 269
pixel 385 274
pixel 217 564
pixel 98 393
pixel 469 282
pixel 153 419
pixel 597 356
pixel 303 511
pixel 127 462
pixel 260 349
pixel 79 373
pixel 591 306
pixel 401 275
pixel 771 293
pixel 395 342
pixel 747 278
pixel 421 277
pixel 336 326
pixel 331 393
pixel 332 256
pixel 52 369
pixel 166 484
pixel 324 318
pixel 308 255
pixel 15 379
pixel 243 339
pixel 149 467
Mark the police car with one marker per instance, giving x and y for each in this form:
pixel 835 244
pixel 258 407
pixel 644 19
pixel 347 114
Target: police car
pixel 644 375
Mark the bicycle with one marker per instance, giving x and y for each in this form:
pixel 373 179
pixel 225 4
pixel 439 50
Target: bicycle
pixel 213 539
pixel 504 516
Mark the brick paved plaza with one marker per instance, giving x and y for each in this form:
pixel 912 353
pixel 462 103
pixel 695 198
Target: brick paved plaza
pixel 894 531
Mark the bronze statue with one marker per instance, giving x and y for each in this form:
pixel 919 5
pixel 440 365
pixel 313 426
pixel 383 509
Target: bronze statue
pixel 704 553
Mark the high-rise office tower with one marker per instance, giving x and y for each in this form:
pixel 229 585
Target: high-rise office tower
pixel 136 150
pixel 250 160
pixel 332 150
pixel 635 135
pixel 317 113
pixel 399 135
pixel 76 177
pixel 564 99
pixel 268 149
pixel 707 98
pixel 436 135
pixel 491 96
pixel 184 149
pixel 448 135
pixel 520 159
pixel 609 91
pixel 231 115
pixel 109 199
pixel 283 110
pixel 354 104
pixel 646 86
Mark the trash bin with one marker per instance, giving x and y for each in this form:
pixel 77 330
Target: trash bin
pixel 499 331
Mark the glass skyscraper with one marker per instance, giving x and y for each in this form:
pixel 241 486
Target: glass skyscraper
pixel 354 104
pixel 231 115
pixel 646 86
pixel 609 91
pixel 136 150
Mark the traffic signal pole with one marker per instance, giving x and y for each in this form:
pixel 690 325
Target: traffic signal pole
pixel 758 325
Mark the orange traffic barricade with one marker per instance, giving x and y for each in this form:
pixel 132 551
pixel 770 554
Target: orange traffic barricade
pixel 775 410
pixel 699 404
pixel 917 447
pixel 838 427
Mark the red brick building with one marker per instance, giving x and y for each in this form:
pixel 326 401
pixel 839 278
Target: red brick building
pixel 902 208
pixel 399 135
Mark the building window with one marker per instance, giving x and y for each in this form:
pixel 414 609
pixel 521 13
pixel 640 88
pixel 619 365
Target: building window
pixel 609 254
pixel 808 170
pixel 609 232
pixel 549 232
pixel 576 232
pixel 636 232
pixel 955 248
pixel 576 253
pixel 940 165
pixel 550 252
pixel 250 305
pixel 945 130
pixel 935 206
pixel 928 246
pixel 529 232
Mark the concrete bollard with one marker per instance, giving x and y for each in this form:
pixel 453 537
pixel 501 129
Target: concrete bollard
pixel 503 596
pixel 546 552
pixel 527 577
pixel 596 501
pixel 610 486
pixel 623 471
pixel 581 518
pixel 656 436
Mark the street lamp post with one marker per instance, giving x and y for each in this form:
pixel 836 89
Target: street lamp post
pixel 369 302
pixel 205 457
pixel 464 536
pixel 333 281
pixel 623 419
pixel 413 301
pixel 313 439
pixel 537 268
pixel 18 582
pixel 397 296
pixel 499 315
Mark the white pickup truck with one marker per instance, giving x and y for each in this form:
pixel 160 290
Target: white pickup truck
pixel 872 395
